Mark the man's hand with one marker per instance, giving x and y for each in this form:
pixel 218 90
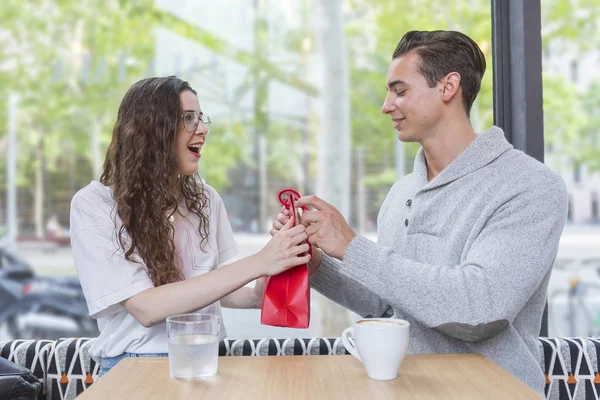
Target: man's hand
pixel 326 227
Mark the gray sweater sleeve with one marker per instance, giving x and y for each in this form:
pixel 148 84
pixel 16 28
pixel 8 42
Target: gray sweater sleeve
pixel 330 281
pixel 477 299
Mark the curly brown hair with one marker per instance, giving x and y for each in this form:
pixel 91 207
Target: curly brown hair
pixel 141 169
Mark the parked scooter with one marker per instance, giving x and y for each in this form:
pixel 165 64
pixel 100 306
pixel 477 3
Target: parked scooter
pixel 41 307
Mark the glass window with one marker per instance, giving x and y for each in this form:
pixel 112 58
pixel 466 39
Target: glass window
pixel 571 121
pixel 284 109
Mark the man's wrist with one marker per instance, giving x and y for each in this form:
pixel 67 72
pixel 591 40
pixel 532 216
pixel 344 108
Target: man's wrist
pixel 315 261
pixel 349 238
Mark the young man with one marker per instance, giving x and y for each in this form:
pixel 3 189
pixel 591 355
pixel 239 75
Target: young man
pixel 467 240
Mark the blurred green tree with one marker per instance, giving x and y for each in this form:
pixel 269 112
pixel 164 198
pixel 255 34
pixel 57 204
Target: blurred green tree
pixel 71 62
pixel 374 29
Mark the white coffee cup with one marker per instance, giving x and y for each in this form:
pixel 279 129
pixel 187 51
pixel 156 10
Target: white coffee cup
pixel 380 343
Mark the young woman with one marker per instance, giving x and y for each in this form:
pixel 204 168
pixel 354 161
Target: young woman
pixel 148 236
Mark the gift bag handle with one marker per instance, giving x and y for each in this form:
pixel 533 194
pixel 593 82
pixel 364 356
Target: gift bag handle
pixel 287 197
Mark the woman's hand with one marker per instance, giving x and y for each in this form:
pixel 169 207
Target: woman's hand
pixel 283 250
pixel 283 218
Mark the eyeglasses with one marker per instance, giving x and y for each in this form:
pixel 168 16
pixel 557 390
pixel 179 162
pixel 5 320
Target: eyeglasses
pixel 191 121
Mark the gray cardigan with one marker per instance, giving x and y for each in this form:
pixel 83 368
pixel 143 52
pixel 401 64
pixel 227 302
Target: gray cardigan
pixel 465 258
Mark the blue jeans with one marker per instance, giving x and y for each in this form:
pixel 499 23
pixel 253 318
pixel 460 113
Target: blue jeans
pixel 108 363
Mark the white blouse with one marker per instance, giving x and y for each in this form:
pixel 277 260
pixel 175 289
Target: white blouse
pixel 107 278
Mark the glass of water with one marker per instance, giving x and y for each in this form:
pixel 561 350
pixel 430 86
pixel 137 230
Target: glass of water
pixel 193 345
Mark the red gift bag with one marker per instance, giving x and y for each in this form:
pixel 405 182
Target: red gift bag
pixel 287 295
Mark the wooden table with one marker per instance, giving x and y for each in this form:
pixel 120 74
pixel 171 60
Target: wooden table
pixel 439 376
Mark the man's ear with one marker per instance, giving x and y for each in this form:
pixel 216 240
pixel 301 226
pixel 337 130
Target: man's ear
pixel 449 86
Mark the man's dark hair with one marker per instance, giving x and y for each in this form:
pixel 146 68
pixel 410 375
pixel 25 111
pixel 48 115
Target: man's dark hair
pixel 443 52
